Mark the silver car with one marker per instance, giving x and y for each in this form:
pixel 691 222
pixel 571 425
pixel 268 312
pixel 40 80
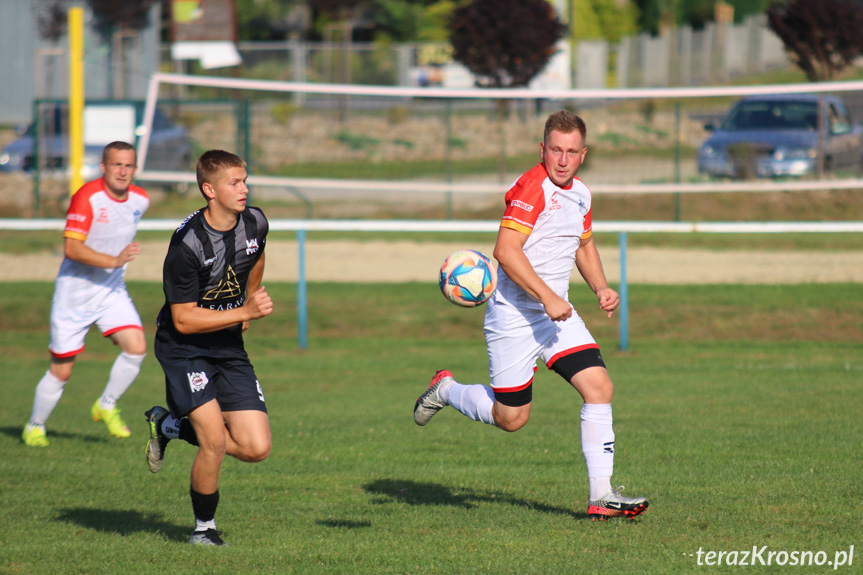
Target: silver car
pixel 779 136
pixel 170 147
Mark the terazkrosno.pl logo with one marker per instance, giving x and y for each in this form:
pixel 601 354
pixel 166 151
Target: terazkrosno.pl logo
pixel 764 556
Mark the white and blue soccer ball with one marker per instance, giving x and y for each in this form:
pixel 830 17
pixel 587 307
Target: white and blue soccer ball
pixel 468 278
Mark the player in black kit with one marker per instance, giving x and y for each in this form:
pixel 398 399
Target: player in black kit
pixel 212 283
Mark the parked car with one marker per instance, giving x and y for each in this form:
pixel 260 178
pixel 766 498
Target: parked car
pixel 778 136
pixel 170 147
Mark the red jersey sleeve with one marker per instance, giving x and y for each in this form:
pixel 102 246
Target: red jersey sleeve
pixel 525 201
pixel 80 213
pixel 588 224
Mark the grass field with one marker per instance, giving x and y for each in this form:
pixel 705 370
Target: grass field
pixel 737 413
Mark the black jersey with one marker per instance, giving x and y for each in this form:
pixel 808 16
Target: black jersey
pixel 211 268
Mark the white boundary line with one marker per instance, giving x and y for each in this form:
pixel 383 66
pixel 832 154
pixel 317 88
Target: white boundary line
pixel 410 187
pixel 483 226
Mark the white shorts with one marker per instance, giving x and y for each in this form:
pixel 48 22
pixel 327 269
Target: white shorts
pixel 111 311
pixel 517 338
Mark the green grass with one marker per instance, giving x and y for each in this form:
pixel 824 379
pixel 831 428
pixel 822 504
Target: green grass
pixel 737 413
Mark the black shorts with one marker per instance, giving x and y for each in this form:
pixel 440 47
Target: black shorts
pixel 566 366
pixel 193 380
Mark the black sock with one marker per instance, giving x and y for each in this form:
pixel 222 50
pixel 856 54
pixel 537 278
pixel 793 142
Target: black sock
pixel 204 506
pixel 187 431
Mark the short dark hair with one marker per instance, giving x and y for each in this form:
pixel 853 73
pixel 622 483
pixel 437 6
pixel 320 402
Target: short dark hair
pixel 565 122
pixel 214 162
pixel 120 147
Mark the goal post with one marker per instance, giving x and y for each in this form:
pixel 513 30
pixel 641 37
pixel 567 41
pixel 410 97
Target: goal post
pixel 655 133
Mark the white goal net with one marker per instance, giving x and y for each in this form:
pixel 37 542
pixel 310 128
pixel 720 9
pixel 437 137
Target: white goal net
pixel 333 143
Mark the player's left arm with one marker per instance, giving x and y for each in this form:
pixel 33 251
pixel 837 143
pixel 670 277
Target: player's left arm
pixel 256 276
pixel 77 250
pixel 589 265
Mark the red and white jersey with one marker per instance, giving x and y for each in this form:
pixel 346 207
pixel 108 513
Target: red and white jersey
pixel 555 220
pixel 105 225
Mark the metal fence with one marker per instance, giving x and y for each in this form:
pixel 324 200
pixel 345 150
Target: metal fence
pixel 683 57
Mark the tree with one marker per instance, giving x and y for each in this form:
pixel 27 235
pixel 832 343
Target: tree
pixel 51 24
pixel 505 43
pixel 260 21
pixel 411 20
pixel 603 19
pixel 112 15
pixel 116 22
pixel 821 36
pixel 695 13
pixel 51 21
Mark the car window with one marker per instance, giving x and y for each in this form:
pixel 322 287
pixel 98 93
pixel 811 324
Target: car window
pixel 773 115
pixel 840 123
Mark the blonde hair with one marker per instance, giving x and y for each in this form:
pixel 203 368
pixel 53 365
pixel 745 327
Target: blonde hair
pixel 213 163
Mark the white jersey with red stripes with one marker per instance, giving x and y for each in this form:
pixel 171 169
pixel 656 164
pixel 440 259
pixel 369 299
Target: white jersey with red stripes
pixel 86 295
pixel 555 220
pixel 105 225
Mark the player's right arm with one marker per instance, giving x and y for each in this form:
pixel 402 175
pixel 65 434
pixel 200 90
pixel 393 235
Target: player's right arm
pixel 79 218
pixel 189 318
pixel 509 253
pixel 77 250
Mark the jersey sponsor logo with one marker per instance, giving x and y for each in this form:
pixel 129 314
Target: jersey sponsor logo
pixel 76 218
pixel 197 380
pixel 554 203
pixel 521 205
pixel 227 288
pixel 227 306
pixel 251 246
pixel 103 216
pixel 211 261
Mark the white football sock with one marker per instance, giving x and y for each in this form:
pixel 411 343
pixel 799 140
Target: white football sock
pixel 204 525
pixel 124 371
pixel 48 393
pixel 599 486
pixel 597 444
pixel 474 401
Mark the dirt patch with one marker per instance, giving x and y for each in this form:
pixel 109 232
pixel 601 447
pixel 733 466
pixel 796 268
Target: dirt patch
pixel 404 261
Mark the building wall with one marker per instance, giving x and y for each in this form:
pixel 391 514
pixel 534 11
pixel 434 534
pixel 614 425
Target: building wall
pixel 39 69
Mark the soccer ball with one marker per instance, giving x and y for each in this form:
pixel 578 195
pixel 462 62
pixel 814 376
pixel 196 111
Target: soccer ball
pixel 467 278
